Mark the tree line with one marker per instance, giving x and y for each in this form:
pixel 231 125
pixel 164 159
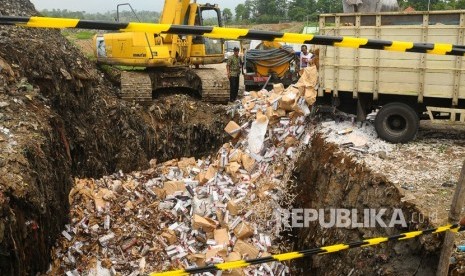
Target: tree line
pixel 435 5
pixel 273 11
pixel 124 16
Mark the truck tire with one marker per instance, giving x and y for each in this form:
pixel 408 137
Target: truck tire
pixel 397 123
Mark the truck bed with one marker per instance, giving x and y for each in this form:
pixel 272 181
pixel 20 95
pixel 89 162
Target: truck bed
pixel 394 73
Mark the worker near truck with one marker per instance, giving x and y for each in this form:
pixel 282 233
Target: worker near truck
pixel 233 68
pixel 305 58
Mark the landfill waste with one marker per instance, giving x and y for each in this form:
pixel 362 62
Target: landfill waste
pixel 191 212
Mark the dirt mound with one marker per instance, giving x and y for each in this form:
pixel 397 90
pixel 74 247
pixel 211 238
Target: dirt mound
pixel 285 27
pixel 184 126
pixel 60 118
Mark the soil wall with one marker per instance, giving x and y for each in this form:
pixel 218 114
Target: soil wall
pixel 330 179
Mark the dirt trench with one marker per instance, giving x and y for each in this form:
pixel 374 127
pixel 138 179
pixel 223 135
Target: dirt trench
pixel 330 179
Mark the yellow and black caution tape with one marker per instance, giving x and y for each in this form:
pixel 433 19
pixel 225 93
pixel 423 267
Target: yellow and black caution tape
pixel 236 33
pixel 309 252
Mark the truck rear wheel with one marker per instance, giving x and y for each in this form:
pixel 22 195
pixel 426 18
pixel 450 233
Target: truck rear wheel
pixel 397 123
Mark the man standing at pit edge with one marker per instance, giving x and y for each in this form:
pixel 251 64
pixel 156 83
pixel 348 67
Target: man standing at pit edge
pixel 233 68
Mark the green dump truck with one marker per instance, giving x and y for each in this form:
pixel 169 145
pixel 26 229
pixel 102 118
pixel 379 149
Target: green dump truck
pixel 405 86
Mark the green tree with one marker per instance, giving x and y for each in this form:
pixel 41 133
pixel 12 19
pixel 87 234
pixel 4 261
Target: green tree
pixel 267 11
pixel 300 9
pixel 441 5
pixel 249 8
pixel 227 15
pixel 422 5
pixel 282 8
pixel 240 12
pixel 460 4
pixel 446 5
pixel 244 11
pixel 419 5
pixel 266 7
pixel 329 6
pixel 125 16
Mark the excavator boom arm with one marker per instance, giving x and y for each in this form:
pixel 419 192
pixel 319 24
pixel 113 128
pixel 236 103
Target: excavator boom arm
pixel 168 15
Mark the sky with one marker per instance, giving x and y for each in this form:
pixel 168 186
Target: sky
pixel 93 6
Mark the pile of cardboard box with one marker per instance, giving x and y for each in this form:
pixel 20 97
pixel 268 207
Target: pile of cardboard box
pixel 188 212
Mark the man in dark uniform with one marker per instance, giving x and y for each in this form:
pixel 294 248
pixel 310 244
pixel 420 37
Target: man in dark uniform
pixel 233 68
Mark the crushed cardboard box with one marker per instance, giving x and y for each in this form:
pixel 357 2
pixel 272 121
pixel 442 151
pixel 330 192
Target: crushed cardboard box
pixel 188 212
pixel 247 250
pixel 171 187
pixel 243 231
pixel 233 129
pixel 203 223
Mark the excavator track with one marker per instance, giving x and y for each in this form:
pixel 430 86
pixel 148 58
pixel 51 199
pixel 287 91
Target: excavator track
pixel 215 85
pixel 208 83
pixel 136 86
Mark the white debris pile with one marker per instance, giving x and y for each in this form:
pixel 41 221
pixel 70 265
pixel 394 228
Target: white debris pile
pixel 425 170
pixel 421 165
pixel 432 161
pixel 188 213
pixel 354 136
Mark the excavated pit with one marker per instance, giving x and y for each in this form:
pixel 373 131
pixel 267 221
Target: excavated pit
pixel 328 178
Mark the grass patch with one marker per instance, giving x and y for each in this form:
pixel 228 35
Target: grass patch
pixel 129 68
pixel 65 33
pixel 84 35
pixel 91 57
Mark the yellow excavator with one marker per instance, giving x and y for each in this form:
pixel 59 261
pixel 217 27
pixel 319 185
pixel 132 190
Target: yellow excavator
pixel 170 61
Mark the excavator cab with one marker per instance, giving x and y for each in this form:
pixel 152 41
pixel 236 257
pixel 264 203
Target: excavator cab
pixel 153 50
pixel 205 50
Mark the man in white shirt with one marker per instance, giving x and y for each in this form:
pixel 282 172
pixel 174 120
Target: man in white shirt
pixel 305 57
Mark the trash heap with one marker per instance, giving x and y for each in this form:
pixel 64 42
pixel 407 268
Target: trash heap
pixel 186 213
pixel 359 138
